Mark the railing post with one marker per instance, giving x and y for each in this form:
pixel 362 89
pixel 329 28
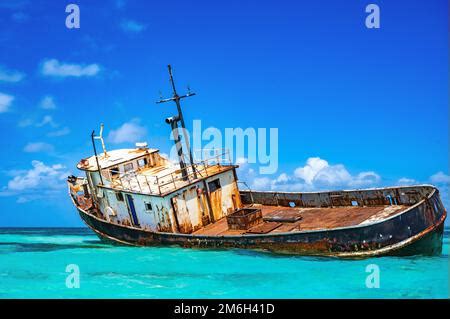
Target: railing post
pixel 204 167
pixel 129 182
pixel 173 181
pixel 139 184
pixel 146 180
pixel 157 183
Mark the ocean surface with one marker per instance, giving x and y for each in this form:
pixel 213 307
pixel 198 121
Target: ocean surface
pixel 33 264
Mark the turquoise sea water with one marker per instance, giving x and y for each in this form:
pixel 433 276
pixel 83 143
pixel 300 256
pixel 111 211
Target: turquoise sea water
pixel 33 265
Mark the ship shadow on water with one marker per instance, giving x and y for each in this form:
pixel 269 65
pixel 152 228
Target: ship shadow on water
pixel 49 247
pixel 271 254
pixel 47 231
pixel 261 253
pixel 46 247
pixel 43 233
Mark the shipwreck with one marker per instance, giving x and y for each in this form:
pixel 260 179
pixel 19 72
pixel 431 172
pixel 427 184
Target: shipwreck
pixel 138 197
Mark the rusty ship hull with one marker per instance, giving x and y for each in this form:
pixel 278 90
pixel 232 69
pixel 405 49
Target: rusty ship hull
pixel 349 224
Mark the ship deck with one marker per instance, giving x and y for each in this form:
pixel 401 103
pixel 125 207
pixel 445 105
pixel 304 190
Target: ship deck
pixel 311 219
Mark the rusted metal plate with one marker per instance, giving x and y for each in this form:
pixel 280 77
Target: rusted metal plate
pixel 407 195
pixel 264 228
pixel 83 202
pixel 284 216
pixel 213 229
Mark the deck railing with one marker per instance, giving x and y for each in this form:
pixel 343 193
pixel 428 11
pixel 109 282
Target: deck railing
pixel 158 185
pixel 200 169
pixel 134 181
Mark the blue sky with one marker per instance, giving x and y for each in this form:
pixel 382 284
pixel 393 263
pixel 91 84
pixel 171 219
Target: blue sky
pixel 348 101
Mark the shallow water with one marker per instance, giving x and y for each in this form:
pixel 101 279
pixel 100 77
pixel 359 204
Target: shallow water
pixel 33 265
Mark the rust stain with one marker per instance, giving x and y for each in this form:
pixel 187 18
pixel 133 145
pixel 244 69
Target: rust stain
pixel 164 224
pixel 182 214
pixel 216 203
pixel 236 197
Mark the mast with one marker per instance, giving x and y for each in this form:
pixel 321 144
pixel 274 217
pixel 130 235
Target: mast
pixel 100 137
pixel 96 157
pixel 173 121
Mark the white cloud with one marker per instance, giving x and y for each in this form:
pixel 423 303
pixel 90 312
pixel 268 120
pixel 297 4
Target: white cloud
pixel 5 102
pixel 262 183
pixel 283 178
pixel 406 181
pixel 61 132
pixel 39 178
pixel 440 178
pixel 313 166
pixel 47 120
pixel 317 174
pixel 38 147
pixel 365 179
pixel 129 132
pixel 47 103
pixel 132 26
pixel 55 68
pixel 331 176
pixel 10 75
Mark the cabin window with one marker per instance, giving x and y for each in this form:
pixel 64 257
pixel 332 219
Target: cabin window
pixel 119 197
pixel 148 207
pixel 214 185
pixel 128 167
pixel 114 172
pixel 142 162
